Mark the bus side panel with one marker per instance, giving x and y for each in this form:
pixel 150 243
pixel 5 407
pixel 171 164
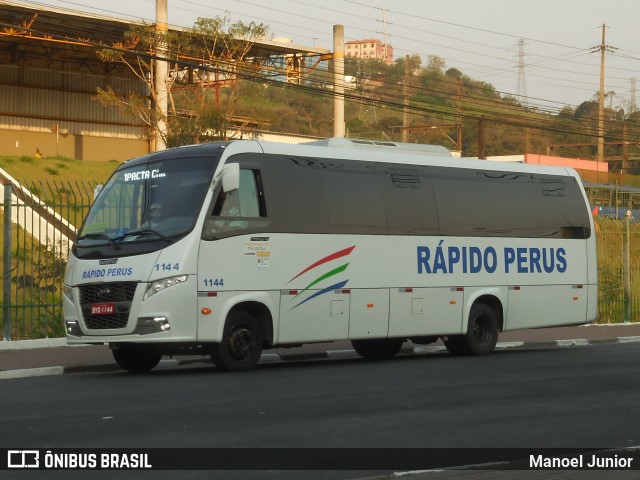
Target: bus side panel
pixel 369 313
pixel 533 306
pixel 323 319
pixel 425 311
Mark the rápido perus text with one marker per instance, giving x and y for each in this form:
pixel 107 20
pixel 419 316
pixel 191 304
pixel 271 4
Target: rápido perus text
pixel 450 259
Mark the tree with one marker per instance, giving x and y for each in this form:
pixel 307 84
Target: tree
pixel 435 64
pixel 203 60
pixel 587 110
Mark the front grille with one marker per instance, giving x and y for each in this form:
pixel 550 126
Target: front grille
pixel 119 293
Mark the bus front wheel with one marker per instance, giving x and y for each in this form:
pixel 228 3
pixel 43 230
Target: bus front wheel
pixel 136 358
pixel 241 344
pixel 481 336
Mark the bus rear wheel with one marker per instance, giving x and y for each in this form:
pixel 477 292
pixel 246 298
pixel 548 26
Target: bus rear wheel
pixel 481 336
pixel 137 358
pixel 241 344
pixel 377 348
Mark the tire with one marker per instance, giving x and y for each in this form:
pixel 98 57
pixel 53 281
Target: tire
pixel 481 336
pixel 378 348
pixel 241 344
pixel 457 345
pixel 137 358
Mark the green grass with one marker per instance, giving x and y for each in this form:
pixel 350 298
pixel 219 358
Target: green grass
pixel 28 169
pixel 64 184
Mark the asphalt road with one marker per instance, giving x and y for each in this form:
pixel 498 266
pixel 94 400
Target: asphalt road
pixel 584 396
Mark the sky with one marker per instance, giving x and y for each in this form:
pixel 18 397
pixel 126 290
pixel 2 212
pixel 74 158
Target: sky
pixel 560 38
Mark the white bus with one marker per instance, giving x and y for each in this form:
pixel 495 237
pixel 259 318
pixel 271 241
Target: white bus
pixel 230 248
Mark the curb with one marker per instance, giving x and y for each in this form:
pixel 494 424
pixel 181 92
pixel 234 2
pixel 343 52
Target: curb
pixel 270 358
pixel 30 344
pixel 31 372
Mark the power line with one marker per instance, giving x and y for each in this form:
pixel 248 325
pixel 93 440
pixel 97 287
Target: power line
pixel 280 13
pixel 508 115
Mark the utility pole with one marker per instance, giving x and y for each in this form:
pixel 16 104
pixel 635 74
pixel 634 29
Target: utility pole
pixel 161 74
pixel 481 139
pixel 603 47
pixel 405 95
pixel 338 81
pixel 601 101
pixel 625 148
pixel 626 269
pixel 459 119
pixel 385 53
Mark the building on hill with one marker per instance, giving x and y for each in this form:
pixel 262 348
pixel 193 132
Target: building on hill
pixel 369 48
pixel 589 170
pixel 598 182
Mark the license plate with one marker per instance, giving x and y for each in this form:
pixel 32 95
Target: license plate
pixel 103 309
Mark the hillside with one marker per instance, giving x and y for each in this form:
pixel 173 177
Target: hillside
pixel 27 170
pixel 437 99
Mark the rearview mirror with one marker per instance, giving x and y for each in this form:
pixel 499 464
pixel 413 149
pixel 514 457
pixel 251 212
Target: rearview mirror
pixel 230 177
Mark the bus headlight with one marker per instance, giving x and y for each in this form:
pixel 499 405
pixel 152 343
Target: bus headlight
pixel 68 292
pixel 159 285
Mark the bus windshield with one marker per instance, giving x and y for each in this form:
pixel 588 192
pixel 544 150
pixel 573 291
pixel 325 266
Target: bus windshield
pixel 148 202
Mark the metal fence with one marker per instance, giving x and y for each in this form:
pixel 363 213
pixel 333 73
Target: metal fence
pixel 614 200
pixel 618 245
pixel 40 218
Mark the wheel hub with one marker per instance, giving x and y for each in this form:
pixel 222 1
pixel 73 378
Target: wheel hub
pixel 480 331
pixel 241 342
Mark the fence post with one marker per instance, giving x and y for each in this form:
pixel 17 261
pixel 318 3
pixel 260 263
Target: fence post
pixel 626 275
pixel 6 271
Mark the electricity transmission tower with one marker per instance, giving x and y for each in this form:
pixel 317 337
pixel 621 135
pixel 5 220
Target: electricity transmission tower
pixel 521 88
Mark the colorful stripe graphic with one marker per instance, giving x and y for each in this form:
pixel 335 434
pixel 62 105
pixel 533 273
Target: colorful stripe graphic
pixel 323 291
pixel 325 276
pixel 333 272
pixel 328 258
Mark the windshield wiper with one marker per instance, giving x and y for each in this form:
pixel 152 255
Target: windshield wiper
pixel 145 231
pixel 100 236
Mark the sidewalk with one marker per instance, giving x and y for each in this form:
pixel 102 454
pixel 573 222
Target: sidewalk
pixel 53 357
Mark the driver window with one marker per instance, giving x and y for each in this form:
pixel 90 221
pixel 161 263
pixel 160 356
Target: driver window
pixel 238 211
pixel 243 202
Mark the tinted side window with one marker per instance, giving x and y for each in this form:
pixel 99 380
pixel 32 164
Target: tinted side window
pixel 409 202
pixel 295 195
pixel 508 204
pixel 354 198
